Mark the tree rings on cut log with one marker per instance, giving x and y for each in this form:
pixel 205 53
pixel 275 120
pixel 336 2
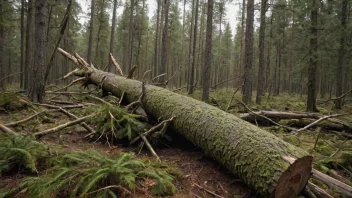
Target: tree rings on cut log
pixel 293 180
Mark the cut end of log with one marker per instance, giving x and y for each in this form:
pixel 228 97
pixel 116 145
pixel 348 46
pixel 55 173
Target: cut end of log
pixel 293 180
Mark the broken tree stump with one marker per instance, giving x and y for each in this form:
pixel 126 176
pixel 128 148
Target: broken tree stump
pixel 256 156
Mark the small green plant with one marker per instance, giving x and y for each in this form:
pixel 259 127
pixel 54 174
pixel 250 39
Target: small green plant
pixel 13 101
pixel 113 122
pixel 20 151
pixel 91 173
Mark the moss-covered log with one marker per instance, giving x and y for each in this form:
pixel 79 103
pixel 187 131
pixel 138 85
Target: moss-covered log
pixel 259 158
pixel 256 156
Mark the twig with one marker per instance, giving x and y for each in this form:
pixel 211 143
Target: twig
pixel 62 102
pixel 69 85
pixel 62 126
pixel 208 191
pixel 69 92
pixel 264 117
pixel 149 146
pixel 156 77
pixel 214 86
pixel 340 97
pixel 316 140
pixel 145 73
pixel 27 119
pixel 10 76
pixel 83 124
pixel 69 56
pixel 233 95
pixel 340 148
pixel 130 73
pixel 117 66
pixel 58 107
pixel 107 187
pixel 122 95
pixel 70 73
pixel 139 101
pixel 154 128
pixel 99 99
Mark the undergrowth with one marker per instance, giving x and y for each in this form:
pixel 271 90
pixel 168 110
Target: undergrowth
pixel 113 122
pixel 92 174
pixel 20 152
pixel 13 101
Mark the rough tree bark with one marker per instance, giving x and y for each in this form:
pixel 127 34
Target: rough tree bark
pixel 247 85
pixel 259 158
pixel 36 89
pixel 338 102
pixel 29 43
pixel 2 71
pixel 112 38
pixel 313 62
pixel 164 41
pixel 90 41
pixel 207 54
pixel 22 43
pixel 130 39
pixel 191 79
pixel 260 84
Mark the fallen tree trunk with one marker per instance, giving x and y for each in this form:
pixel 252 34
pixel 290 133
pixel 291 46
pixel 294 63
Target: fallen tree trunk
pixel 259 158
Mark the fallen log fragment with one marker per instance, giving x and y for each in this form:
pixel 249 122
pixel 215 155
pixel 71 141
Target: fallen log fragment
pixel 7 130
pixel 257 157
pixel 286 115
pixel 318 191
pixel 342 187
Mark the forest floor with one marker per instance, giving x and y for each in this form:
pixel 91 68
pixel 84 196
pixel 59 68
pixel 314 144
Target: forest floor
pixel 201 175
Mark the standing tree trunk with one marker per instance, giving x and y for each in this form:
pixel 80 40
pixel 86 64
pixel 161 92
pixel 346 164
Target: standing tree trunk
pixel 163 65
pixel 22 43
pixel 90 42
pixel 291 55
pixel 155 68
pixel 130 38
pixel 191 79
pixel 190 45
pixel 247 87
pixel 100 19
pixel 240 59
pixel 183 44
pixel 2 70
pixel 112 38
pixel 339 74
pixel 141 67
pixel 260 85
pixel 207 54
pixel 29 43
pixel 312 68
pixel 36 91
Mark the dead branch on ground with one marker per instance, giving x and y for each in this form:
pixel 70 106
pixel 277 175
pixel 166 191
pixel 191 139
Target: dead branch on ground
pixel 264 117
pixel 316 122
pixel 69 85
pixel 62 126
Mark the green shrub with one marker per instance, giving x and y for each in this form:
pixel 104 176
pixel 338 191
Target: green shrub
pixel 20 151
pixel 87 173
